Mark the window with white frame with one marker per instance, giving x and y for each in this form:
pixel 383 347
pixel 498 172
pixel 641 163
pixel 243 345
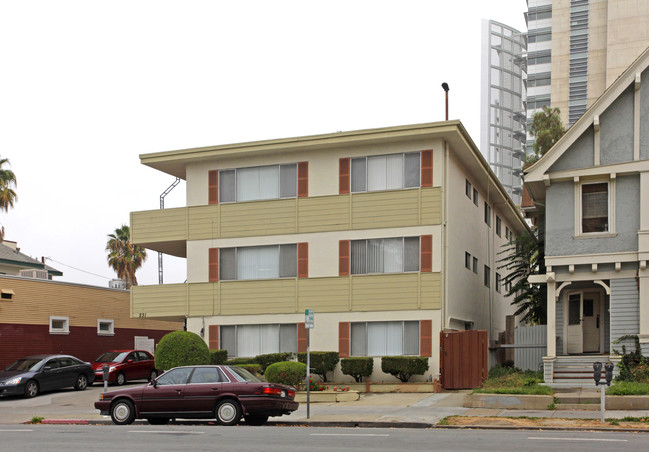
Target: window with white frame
pixel 595 207
pixel 105 327
pixel 257 183
pixel 386 172
pixel 258 262
pixel 393 255
pixel 252 340
pixel 385 338
pixel 59 325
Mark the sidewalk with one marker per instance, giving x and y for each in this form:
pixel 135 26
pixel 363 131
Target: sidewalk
pixel 405 410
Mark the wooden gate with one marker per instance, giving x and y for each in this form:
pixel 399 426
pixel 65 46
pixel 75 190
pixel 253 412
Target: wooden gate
pixel 463 359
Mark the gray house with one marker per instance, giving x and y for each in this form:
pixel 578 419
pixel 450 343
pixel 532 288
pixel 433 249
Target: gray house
pixel 591 199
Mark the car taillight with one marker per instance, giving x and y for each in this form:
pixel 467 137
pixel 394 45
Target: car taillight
pixel 291 394
pixel 272 391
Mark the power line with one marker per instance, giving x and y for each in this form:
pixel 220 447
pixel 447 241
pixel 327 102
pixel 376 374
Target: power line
pixel 77 269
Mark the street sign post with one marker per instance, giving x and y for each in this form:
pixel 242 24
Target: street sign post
pixel 308 324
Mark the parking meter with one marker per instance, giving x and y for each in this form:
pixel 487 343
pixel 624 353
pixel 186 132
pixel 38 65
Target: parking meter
pixel 105 371
pixel 597 372
pixel 608 368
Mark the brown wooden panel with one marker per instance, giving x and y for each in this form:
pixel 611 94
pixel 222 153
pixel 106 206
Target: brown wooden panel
pixel 213 187
pixel 344 175
pixel 213 264
pixel 343 258
pixel 426 168
pixel 426 253
pixel 214 337
pixel 301 338
pixel 426 338
pixel 303 260
pixel 343 339
pixel 463 358
pixel 303 179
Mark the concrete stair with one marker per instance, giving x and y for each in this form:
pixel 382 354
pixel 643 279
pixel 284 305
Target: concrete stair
pixel 577 370
pixel 586 400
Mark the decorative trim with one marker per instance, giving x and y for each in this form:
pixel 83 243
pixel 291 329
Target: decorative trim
pixel 596 148
pixel 598 258
pixel 636 117
pixel 213 187
pixel 603 284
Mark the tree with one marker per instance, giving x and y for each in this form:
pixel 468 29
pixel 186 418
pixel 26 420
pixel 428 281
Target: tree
pixel 7 181
pixel 124 257
pixel 525 257
pixel 546 129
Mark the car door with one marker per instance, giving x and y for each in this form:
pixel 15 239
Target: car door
pixel 131 369
pixel 146 364
pixel 167 394
pixel 68 370
pixel 202 390
pixel 50 376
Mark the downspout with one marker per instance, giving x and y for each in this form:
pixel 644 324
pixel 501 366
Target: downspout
pixel 489 257
pixel 445 268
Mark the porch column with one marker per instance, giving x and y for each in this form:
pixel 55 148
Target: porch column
pixel 552 316
pixel 643 258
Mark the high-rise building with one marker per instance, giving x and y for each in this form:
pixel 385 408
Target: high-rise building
pixel 502 137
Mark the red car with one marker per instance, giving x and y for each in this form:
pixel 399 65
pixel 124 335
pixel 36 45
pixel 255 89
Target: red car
pixel 125 365
pixel 226 393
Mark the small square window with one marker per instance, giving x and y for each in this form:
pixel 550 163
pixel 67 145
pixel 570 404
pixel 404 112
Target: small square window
pixel 475 196
pixel 475 265
pixel 105 327
pixel 467 260
pixel 59 325
pixel 487 276
pixel 499 226
pixel 467 188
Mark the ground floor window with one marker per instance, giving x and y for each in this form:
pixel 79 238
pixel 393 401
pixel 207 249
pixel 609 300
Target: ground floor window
pixel 385 338
pixel 253 340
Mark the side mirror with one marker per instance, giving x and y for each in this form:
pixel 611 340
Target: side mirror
pixel 597 372
pixel 47 368
pixel 129 361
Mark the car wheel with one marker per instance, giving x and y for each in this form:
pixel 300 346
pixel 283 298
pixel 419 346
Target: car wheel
pixel 157 420
pixel 120 379
pixel 228 412
pixel 122 412
pixel 153 375
pixel 31 389
pixel 256 419
pixel 82 382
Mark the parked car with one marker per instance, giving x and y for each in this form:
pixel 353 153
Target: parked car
pixel 34 374
pixel 125 365
pixel 226 393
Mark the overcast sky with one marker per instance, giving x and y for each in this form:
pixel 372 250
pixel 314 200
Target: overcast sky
pixel 88 86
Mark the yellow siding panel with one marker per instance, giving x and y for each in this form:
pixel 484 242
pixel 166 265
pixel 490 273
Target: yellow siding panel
pixel 431 206
pixel 431 290
pixel 323 214
pixel 166 300
pixel 385 292
pixel 203 222
pixel 159 225
pixel 258 218
pixel 203 299
pixel 323 294
pixel 258 297
pixel 385 209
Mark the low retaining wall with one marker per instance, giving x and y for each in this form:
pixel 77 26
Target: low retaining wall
pixel 627 402
pixel 327 396
pixel 392 387
pixel 509 401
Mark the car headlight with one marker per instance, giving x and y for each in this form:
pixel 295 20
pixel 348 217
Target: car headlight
pixel 13 381
pixel 112 369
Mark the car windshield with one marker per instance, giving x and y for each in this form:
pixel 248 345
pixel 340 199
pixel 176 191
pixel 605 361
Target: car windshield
pixel 242 374
pixel 25 364
pixel 111 357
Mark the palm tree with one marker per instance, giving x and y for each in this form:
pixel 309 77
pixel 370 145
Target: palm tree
pixel 7 193
pixel 124 257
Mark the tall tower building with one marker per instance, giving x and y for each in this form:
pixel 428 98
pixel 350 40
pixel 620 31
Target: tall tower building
pixel 502 134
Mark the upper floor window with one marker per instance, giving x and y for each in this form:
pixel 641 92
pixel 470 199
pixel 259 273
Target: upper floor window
pixel 475 196
pixel 487 214
pixel 595 207
pixel 467 188
pixel 499 226
pixel 393 255
pixel 258 262
pixel 256 183
pixel 385 172
pixel 467 260
pixel 487 276
pixel 475 265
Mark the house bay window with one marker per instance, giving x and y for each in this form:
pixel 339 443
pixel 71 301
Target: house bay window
pixel 392 255
pixel 594 207
pixel 385 338
pixel 253 340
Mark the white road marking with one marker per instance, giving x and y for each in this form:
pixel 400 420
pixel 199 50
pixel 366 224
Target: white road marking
pixel 174 432
pixel 346 434
pixel 579 439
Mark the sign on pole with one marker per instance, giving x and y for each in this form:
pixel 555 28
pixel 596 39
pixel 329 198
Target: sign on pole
pixel 308 318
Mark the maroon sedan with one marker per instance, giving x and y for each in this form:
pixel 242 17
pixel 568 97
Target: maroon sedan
pixel 125 365
pixel 226 393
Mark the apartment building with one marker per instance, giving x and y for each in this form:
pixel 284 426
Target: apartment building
pixel 390 235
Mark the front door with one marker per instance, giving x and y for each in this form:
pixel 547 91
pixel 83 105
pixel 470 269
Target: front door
pixel 575 330
pixel 583 316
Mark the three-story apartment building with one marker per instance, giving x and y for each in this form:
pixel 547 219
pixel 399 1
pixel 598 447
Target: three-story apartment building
pixel 390 235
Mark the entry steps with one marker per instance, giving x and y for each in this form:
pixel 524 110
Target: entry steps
pixel 587 400
pixel 577 370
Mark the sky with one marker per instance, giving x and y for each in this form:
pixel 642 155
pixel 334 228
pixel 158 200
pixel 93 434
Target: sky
pixel 86 87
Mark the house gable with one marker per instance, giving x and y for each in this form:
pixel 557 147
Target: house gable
pixel 616 130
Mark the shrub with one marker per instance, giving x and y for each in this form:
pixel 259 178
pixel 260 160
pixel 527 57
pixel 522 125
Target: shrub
pixel 628 388
pixel 500 371
pixel 181 348
pixel 252 368
pixel 321 362
pixel 634 367
pixel 238 361
pixel 286 372
pixel 218 356
pixel 271 358
pixel 404 367
pixel 357 367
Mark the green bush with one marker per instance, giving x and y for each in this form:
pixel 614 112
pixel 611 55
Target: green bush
pixel 238 361
pixel 271 358
pixel 404 367
pixel 357 367
pixel 628 388
pixel 181 348
pixel 286 372
pixel 321 362
pixel 218 356
pixel 498 371
pixel 634 367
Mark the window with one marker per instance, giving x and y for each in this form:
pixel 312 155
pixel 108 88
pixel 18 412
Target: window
pixel 6 294
pixel 475 196
pixel 475 265
pixel 178 376
pixel 508 234
pixel 253 340
pixel 385 338
pixel 258 262
pixel 105 327
pixel 467 260
pixel 487 276
pixel 207 375
pixel 594 208
pixel 468 188
pixel 394 255
pixel 498 282
pixel 59 325
pixel 385 172
pixel 499 226
pixel 256 183
pixel 487 214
